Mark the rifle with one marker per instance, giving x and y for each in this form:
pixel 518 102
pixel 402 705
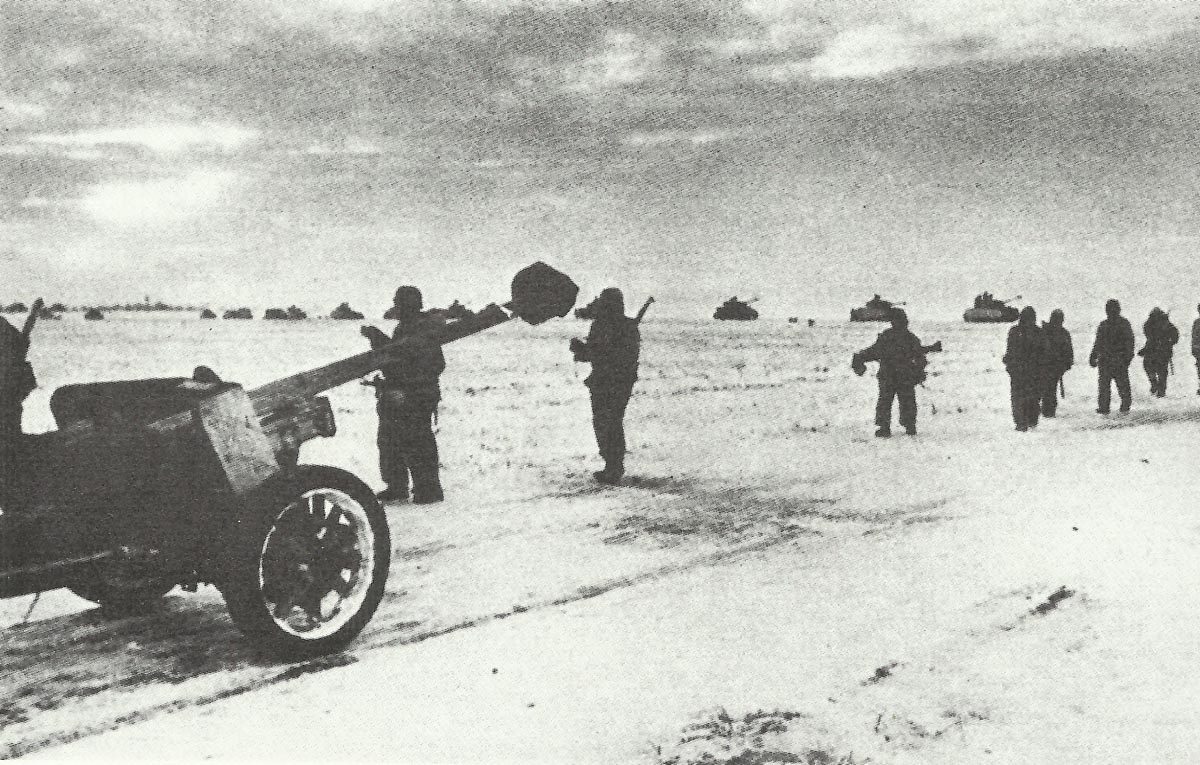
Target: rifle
pixel 30 320
pixel 1062 388
pixel 642 311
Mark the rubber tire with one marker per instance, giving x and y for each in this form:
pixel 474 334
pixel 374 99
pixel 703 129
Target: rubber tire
pixel 240 581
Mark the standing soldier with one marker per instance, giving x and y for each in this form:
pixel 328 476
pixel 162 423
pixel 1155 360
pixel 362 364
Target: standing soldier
pixel 407 396
pixel 1060 356
pixel 1196 348
pixel 1025 359
pixel 17 381
pixel 1111 354
pixel 612 348
pixel 901 360
pixel 1161 336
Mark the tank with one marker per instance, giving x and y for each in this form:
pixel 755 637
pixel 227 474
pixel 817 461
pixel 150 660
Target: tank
pixel 875 309
pixel 345 313
pixel 989 309
pixel 735 310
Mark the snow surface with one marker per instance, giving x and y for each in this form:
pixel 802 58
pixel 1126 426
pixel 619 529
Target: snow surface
pixel 775 585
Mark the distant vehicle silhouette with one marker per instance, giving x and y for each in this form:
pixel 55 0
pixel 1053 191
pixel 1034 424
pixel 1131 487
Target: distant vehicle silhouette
pixel 875 309
pixel 345 313
pixel 989 309
pixel 736 310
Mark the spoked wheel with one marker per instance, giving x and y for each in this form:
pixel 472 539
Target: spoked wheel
pixel 308 573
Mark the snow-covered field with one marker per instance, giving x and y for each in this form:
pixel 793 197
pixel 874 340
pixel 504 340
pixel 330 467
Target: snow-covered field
pixel 774 585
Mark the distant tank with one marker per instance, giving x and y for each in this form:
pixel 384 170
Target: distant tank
pixel 990 309
pixel 457 311
pixel 238 313
pixel 207 313
pixel 345 313
pixel 291 314
pixel 94 314
pixel 875 309
pixel 736 310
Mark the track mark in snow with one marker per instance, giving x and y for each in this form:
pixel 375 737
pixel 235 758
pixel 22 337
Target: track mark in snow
pixel 367 642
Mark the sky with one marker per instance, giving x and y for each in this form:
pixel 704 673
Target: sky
pixel 807 152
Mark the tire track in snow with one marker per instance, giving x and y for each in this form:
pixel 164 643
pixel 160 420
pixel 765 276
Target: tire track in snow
pixel 240 657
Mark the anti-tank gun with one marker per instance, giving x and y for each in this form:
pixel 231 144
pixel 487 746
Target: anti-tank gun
pixel 149 484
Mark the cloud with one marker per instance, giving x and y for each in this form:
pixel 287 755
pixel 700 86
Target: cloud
pixel 465 127
pixel 876 40
pixel 157 202
pixel 162 138
pixel 625 60
pixel 674 137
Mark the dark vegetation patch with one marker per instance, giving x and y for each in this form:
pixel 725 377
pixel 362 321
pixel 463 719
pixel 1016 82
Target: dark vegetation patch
pixel 881 673
pixel 754 739
pixel 1052 601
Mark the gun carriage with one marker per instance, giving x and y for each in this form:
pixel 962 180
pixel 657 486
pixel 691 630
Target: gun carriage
pixel 149 484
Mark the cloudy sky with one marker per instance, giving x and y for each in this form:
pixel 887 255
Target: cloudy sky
pixel 811 152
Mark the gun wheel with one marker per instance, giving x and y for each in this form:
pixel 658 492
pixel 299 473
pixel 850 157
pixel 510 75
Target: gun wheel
pixel 310 571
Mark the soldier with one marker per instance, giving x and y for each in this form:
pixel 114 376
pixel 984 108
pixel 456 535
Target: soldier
pixel 1161 336
pixel 1196 348
pixel 1111 354
pixel 1025 360
pixel 612 348
pixel 16 383
pixel 901 360
pixel 1060 356
pixel 407 397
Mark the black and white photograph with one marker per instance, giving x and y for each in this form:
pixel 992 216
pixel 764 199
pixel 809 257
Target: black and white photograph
pixel 667 382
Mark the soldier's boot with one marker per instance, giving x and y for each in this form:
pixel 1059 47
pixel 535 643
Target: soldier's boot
pixel 393 494
pixel 427 485
pixel 883 431
pixel 428 492
pixel 612 473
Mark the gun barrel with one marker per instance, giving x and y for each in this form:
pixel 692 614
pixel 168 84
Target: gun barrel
pixel 312 382
pixel 286 409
